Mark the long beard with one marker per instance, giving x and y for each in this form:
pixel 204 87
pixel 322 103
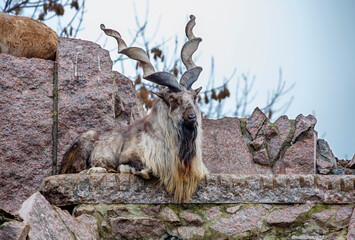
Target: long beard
pixel 187 151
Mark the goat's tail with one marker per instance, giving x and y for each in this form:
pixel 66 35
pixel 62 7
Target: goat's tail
pixel 76 157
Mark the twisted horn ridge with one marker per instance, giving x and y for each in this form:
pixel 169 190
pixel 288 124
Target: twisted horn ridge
pixel 190 76
pixel 136 53
pixel 193 71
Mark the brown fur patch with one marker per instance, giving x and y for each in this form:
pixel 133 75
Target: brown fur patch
pixel 135 162
pixel 26 37
pixel 73 161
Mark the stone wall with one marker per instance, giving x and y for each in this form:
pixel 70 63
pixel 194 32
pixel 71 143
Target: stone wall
pixel 44 105
pixel 38 219
pixel 265 177
pixel 25 127
pixel 74 189
pixel 216 221
pixel 315 209
pixel 257 146
pixel 224 206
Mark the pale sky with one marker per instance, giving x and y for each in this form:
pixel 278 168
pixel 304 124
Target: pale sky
pixel 313 42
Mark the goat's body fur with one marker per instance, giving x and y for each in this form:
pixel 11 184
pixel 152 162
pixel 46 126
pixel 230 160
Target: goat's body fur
pixel 152 144
pixel 26 37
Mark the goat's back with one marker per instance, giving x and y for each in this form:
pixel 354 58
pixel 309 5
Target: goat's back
pixel 26 37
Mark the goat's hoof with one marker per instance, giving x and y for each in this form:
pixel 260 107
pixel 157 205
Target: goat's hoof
pixel 111 170
pixel 124 168
pixel 145 174
pixel 95 170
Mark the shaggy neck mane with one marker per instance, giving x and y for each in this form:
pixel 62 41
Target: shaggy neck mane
pixel 186 136
pixel 187 150
pixel 175 151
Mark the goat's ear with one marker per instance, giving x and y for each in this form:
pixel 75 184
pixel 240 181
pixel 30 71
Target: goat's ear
pixel 198 90
pixel 161 95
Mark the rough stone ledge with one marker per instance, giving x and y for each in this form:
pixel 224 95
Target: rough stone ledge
pixel 110 188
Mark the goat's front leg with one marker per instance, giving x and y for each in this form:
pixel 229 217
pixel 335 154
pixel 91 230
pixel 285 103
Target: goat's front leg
pixel 99 170
pixel 144 173
pixel 95 170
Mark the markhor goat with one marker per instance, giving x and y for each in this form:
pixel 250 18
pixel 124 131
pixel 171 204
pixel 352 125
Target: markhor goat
pixel 166 143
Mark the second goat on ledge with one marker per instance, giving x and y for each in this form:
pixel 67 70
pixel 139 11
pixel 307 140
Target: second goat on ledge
pixel 167 143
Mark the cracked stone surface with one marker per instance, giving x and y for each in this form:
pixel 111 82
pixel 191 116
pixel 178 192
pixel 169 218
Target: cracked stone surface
pixel 50 222
pixel 269 130
pixel 247 219
pixel 191 232
pixel 236 222
pixel 71 189
pixel 136 227
pixel 326 161
pixel 287 216
pixel 276 143
pixel 25 129
pixel 213 212
pixel 169 215
pixel 322 217
pixel 257 143
pixel 303 124
pixel 233 209
pixel 14 230
pixel 300 158
pixel 343 214
pixel 351 228
pixel 261 157
pixel 191 218
pixel 255 122
pixel 224 150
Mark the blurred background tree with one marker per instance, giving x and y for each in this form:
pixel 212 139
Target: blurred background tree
pixel 68 15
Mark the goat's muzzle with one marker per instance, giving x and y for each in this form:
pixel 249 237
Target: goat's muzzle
pixel 189 117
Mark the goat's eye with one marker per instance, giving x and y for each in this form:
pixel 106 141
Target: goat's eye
pixel 173 104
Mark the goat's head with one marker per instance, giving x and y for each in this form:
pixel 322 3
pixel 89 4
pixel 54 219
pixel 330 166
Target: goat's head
pixel 182 106
pixel 179 97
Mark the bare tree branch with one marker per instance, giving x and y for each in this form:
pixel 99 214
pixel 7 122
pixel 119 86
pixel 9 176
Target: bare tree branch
pixel 212 100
